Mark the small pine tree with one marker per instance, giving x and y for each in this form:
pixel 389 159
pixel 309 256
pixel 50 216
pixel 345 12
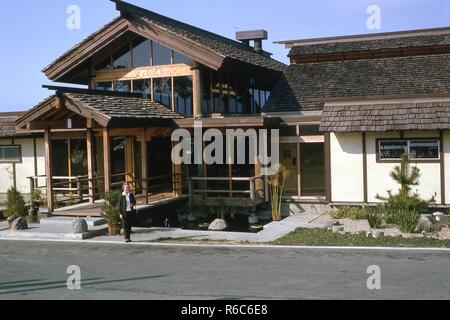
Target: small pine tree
pixel 406 176
pixel 15 204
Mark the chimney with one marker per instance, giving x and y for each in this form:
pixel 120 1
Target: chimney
pixel 257 36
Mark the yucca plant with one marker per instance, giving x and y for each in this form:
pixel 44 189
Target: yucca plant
pixel 374 217
pixel 110 209
pixel 406 220
pixel 276 187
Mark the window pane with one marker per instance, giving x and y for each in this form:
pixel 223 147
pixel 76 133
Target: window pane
pixel 163 91
pixel 288 131
pixel 309 131
pixel 104 86
pixel 141 53
pixel 142 86
pixel 122 58
pixel 225 92
pixel 10 153
pixel 122 86
pixel 161 55
pixel 393 149
pixel 180 58
pixel 183 95
pixel 104 65
pixel 424 149
pixel 216 92
pixel 206 99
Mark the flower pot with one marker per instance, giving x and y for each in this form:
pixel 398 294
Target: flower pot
pixel 114 229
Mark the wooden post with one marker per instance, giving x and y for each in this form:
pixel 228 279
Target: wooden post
pixel 191 192
pixel 48 170
pixel 144 169
pixel 90 165
pixel 197 92
pixel 106 160
pixel 253 194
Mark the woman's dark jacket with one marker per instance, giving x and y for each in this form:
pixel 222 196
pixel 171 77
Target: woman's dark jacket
pixel 123 203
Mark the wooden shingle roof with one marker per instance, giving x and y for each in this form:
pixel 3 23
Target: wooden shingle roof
pixel 304 85
pixel 386 117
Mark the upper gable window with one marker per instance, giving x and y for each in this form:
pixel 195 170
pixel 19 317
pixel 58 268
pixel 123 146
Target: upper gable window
pixel 105 64
pixel 141 52
pixel 180 58
pixel 122 58
pixel 161 55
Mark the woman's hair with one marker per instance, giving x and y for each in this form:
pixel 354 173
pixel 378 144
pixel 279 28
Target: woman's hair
pixel 126 184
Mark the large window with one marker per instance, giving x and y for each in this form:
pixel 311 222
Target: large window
pixel 122 58
pixel 161 55
pixel 122 86
pixel 141 53
pixel 415 149
pixel 142 86
pixel 183 95
pixel 10 154
pixel 104 86
pixel 162 91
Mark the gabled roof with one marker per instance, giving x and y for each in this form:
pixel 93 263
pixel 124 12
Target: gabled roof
pixel 7 124
pixel 385 116
pixel 205 47
pixel 305 86
pixel 106 108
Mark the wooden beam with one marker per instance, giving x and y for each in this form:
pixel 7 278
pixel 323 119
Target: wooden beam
pixel 442 166
pixel 144 163
pixel 197 92
pixel 43 125
pixel 48 169
pixel 90 164
pixel 364 149
pixel 328 172
pixel 107 159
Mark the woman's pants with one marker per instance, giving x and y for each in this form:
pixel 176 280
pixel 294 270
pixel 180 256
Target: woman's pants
pixel 127 222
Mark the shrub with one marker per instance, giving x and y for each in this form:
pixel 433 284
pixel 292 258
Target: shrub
pixel 398 202
pixel 276 189
pixel 356 213
pixel 110 209
pixel 431 226
pixel 374 217
pixel 406 220
pixel 15 204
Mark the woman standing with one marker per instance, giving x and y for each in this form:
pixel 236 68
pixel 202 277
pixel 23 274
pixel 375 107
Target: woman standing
pixel 127 209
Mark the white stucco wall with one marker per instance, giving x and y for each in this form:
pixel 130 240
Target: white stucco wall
pixel 346 167
pixel 24 169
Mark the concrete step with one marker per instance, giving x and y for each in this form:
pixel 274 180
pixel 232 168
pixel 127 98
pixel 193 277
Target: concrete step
pixel 67 221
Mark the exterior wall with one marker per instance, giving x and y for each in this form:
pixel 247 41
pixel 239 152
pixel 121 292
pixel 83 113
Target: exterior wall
pixel 24 169
pixel 346 167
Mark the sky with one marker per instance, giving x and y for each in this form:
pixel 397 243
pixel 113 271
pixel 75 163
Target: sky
pixel 35 33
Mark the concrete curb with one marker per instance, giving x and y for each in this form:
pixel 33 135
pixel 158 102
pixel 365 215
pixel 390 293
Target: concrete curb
pixel 249 246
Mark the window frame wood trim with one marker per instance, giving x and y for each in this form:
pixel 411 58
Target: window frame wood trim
pixel 20 153
pixel 425 160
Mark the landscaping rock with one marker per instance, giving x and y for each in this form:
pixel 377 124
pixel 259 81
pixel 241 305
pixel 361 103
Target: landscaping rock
pixel 20 224
pixel 218 225
pixel 11 219
pixel 79 226
pixel 253 219
pixel 376 233
pixel 337 228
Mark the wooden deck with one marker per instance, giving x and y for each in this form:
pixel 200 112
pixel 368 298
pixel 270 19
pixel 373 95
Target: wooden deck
pixel 93 210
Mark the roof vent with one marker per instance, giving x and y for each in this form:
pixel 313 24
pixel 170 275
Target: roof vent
pixel 253 35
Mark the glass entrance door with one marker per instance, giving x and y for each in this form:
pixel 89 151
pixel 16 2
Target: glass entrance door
pixel 312 169
pixel 288 159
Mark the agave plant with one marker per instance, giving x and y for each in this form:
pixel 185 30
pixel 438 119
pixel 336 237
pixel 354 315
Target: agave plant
pixel 276 187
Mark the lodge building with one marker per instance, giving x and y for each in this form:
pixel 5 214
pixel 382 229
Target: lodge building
pixel 346 107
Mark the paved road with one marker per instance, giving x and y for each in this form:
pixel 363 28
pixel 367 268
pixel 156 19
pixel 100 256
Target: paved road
pixel 38 271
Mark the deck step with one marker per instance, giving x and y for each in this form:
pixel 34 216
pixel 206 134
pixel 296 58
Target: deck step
pixel 67 221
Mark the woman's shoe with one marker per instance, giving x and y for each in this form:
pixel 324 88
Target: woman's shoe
pixel 127 241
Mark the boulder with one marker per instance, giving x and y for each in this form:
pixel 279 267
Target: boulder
pixel 218 225
pixel 20 224
pixel 253 219
pixel 79 226
pixel 11 219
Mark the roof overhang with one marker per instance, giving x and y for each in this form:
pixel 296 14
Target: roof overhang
pixel 386 115
pixel 230 122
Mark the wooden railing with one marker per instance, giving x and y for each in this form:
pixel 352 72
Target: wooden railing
pixel 82 189
pixel 256 192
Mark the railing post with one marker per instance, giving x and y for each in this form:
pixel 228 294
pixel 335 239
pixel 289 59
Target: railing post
pixel 80 192
pixel 191 192
pixel 253 194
